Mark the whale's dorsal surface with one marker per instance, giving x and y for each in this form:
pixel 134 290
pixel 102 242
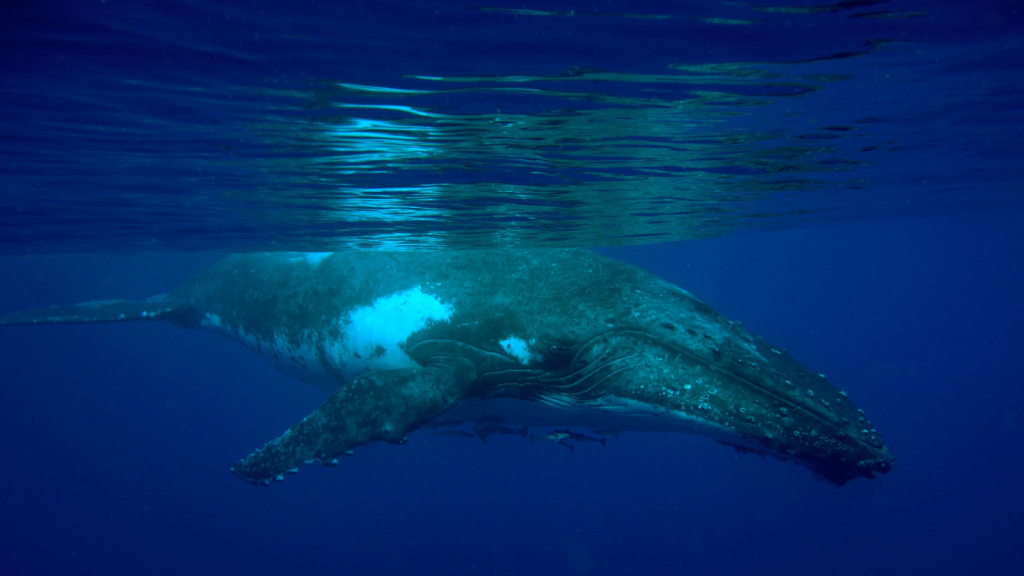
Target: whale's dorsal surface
pixel 510 337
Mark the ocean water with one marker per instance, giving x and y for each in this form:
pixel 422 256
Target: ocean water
pixel 845 179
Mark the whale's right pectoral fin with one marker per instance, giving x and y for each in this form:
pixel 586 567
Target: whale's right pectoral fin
pixel 383 405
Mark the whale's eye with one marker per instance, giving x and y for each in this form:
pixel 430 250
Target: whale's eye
pixel 557 352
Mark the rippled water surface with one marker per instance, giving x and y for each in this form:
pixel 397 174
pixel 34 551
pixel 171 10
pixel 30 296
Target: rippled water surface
pixel 230 126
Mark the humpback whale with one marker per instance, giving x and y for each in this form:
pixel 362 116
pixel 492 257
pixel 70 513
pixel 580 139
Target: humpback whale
pixel 550 337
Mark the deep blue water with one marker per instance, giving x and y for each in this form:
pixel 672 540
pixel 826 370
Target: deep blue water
pixel 888 258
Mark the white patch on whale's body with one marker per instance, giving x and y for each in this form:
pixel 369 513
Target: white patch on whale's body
pixel 372 339
pixel 314 258
pixel 212 322
pixel 311 258
pixel 519 349
pixel 373 336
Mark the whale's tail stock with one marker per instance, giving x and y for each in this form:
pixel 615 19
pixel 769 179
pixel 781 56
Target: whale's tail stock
pixel 160 307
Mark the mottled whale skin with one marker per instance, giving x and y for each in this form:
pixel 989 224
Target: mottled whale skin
pixel 521 337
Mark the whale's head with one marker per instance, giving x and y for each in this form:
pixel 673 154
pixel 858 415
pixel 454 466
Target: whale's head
pixel 741 392
pixel 676 364
pixel 605 345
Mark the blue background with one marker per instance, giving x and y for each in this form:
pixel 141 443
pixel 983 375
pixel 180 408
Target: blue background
pixel 155 127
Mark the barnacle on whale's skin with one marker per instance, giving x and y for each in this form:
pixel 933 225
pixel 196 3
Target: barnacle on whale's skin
pixel 556 338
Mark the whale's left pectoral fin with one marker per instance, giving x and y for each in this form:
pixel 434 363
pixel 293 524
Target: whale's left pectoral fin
pixel 383 405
